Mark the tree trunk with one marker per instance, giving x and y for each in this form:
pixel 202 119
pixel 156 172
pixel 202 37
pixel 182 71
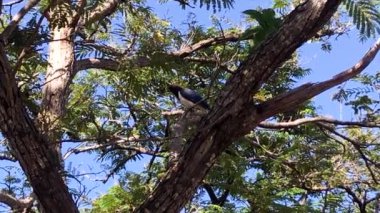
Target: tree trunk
pixel 235 113
pixel 56 89
pixel 30 147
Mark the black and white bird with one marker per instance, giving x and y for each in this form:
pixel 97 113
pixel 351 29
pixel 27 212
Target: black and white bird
pixel 188 97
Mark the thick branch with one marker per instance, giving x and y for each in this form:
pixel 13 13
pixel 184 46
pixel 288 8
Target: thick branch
pixel 304 92
pixel 214 199
pixel 96 63
pixel 17 205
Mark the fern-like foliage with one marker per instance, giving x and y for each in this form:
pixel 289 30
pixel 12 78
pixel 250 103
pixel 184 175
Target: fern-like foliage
pixel 216 5
pixel 366 16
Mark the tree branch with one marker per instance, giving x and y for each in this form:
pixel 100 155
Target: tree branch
pixel 356 145
pixel 354 197
pixel 304 92
pixel 7 156
pixel 188 50
pixel 16 19
pixel 119 143
pixel 101 11
pixel 214 199
pixel 17 205
pixel 96 63
pixel 114 65
pixel 301 121
pixel 11 3
pixel 376 197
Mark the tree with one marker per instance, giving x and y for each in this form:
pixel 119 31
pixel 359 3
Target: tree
pixel 48 100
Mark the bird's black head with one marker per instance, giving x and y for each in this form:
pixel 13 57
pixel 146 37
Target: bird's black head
pixel 175 89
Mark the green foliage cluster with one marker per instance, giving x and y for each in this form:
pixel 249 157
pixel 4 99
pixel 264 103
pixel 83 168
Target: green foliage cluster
pixel 365 16
pixel 267 23
pixel 122 199
pixel 363 99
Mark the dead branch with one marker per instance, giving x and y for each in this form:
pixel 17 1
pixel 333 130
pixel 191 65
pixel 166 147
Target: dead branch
pixel 302 121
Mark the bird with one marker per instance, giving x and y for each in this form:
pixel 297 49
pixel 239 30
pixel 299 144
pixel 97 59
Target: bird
pixel 188 97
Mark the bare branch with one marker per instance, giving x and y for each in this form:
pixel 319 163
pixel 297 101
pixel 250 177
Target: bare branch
pixel 16 19
pixel 210 191
pixel 96 63
pixel 171 113
pixel 7 156
pixel 354 197
pixel 101 11
pixel 104 48
pixel 81 4
pixel 339 30
pixel 187 50
pixel 17 205
pixel 209 61
pixel 119 143
pixel 301 121
pixel 12 3
pixel 356 145
pixel 376 197
pixel 304 92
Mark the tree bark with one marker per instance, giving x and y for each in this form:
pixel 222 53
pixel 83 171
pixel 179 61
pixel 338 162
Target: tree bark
pixel 235 113
pixel 56 89
pixel 30 147
pixel 35 143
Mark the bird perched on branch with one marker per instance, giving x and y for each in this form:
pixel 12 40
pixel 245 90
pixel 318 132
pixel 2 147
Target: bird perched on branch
pixel 188 97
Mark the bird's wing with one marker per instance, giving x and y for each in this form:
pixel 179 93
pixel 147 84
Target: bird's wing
pixel 194 97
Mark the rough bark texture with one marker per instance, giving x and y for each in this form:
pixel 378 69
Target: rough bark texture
pixel 235 113
pixel 56 89
pixel 30 147
pixel 59 72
